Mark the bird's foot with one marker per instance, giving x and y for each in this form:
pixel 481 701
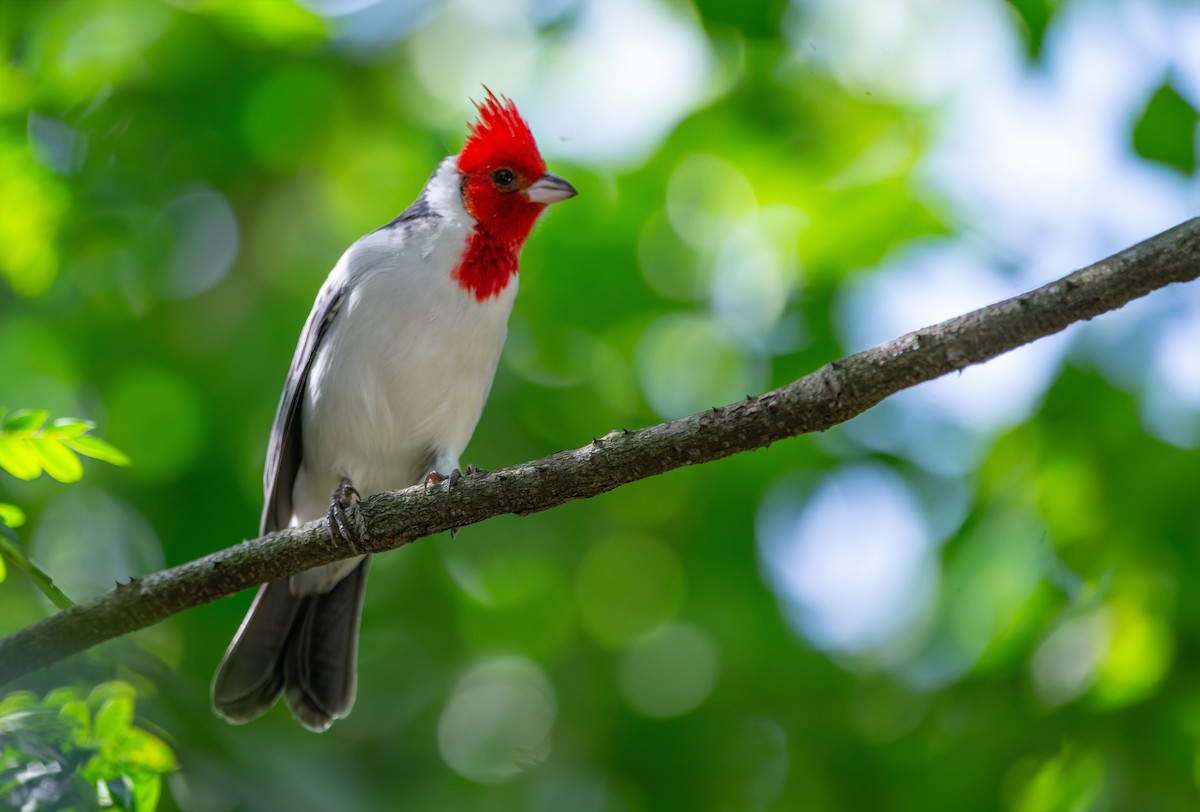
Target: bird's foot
pixel 340 528
pixel 435 476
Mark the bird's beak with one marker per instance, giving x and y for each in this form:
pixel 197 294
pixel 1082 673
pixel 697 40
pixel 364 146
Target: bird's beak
pixel 549 189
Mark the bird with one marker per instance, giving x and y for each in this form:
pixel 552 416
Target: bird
pixel 387 384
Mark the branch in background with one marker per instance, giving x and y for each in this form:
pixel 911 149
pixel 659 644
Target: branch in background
pixel 832 394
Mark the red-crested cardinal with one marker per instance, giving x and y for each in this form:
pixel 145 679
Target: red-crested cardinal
pixel 388 381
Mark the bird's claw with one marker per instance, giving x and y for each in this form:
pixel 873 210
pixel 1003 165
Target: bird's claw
pixel 340 529
pixel 435 476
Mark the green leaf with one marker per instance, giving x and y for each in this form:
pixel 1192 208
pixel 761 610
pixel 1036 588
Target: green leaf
pixel 1166 130
pixel 113 689
pixel 59 697
pixel 26 420
pixel 111 723
pixel 58 460
pixel 27 446
pixel 3 569
pixel 146 791
pixel 18 701
pixel 11 515
pixel 75 715
pixel 1036 15
pixel 69 427
pixel 98 449
pixel 18 458
pixel 144 750
pixel 752 20
pixel 17 713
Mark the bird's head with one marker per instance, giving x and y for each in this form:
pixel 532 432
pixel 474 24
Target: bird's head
pixel 505 185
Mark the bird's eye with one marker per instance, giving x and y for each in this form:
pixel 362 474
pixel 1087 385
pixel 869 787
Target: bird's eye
pixel 504 178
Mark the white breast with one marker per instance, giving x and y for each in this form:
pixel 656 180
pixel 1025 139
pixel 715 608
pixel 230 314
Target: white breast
pixel 400 378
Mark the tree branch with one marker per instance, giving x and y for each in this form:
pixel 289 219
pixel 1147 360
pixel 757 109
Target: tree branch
pixel 832 394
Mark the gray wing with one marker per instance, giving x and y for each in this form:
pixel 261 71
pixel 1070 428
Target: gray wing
pixel 286 448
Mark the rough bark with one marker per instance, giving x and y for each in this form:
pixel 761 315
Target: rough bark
pixel 832 394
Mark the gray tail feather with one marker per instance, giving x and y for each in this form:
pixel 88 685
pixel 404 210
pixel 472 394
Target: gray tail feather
pixel 303 646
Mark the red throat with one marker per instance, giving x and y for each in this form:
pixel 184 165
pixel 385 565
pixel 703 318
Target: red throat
pixel 494 249
pixel 500 139
pixel 487 266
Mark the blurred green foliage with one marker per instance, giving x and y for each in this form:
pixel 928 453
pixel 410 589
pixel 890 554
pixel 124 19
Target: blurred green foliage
pixel 69 752
pixel 176 179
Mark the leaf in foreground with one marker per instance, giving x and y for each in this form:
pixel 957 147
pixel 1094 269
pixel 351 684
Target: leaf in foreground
pixel 68 751
pixel 28 446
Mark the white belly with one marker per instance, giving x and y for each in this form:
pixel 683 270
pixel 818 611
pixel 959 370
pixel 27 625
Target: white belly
pixel 398 384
